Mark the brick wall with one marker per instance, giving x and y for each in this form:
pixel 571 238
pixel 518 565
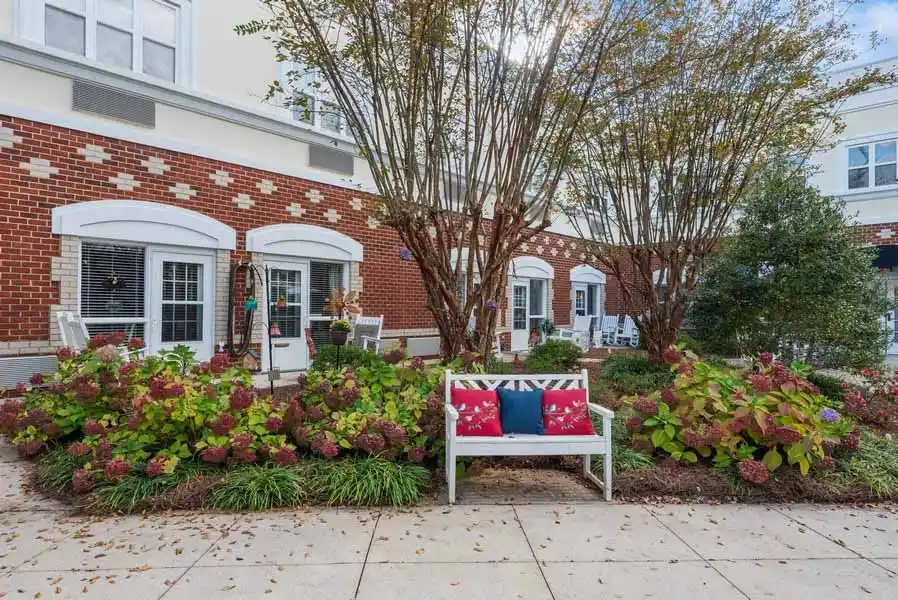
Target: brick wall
pixel 44 166
pixel 882 234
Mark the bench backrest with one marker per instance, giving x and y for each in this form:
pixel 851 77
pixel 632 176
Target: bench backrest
pixel 491 381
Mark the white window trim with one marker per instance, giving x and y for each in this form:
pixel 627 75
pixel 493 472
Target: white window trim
pixel 319 96
pixel 304 241
pixel 28 23
pixel 136 221
pixel 870 166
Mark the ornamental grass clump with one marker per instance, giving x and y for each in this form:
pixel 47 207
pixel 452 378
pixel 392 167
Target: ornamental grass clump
pixel 757 421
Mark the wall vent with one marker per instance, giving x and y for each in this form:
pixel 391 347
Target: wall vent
pixel 108 102
pixel 322 157
pixel 19 369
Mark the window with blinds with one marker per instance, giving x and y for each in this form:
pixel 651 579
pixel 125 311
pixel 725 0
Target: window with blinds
pixel 113 288
pixel 324 278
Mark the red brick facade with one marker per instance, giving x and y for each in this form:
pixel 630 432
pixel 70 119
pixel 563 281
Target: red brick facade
pixel 881 234
pixel 44 166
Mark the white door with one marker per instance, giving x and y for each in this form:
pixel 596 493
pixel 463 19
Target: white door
pixel 287 302
pixel 520 318
pixel 182 302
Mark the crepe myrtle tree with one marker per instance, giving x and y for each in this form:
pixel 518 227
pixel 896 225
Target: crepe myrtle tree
pixel 465 111
pixel 716 86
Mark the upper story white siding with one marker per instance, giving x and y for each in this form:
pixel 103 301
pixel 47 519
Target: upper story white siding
pixel 861 166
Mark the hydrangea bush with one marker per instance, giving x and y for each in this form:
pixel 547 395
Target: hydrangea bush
pixel 757 420
pixel 118 415
pixel 877 404
pixel 380 410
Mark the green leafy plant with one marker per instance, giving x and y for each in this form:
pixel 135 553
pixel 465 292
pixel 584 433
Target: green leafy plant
pixel 255 487
pixel 370 481
pixel 758 420
pixel 332 357
pixel 382 410
pixel 341 325
pixel 830 387
pixel 624 457
pixel 633 373
pixel 554 356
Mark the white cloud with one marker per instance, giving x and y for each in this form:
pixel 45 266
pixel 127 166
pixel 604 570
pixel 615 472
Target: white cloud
pixel 881 17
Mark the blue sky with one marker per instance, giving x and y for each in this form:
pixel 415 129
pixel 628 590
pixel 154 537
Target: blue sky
pixel 880 16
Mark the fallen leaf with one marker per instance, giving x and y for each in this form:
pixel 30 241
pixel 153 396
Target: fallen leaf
pixel 140 569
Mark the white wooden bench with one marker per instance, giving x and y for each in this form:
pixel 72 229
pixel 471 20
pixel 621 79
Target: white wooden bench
pixel 521 444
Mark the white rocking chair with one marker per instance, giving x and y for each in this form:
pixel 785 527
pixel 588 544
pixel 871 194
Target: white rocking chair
pixel 608 331
pixel 366 332
pixel 73 333
pixel 628 334
pixel 579 333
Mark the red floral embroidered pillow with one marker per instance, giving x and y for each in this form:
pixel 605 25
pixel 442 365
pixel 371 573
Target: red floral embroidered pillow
pixel 478 412
pixel 565 413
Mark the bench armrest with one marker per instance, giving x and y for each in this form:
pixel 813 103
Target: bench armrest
pixel 601 410
pixel 451 413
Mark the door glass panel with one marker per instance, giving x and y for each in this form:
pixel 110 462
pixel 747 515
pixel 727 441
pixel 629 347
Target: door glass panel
pixel 519 313
pixel 285 285
pixel 182 311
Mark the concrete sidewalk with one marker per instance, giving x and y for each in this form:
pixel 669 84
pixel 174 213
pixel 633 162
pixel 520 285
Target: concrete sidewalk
pixel 534 552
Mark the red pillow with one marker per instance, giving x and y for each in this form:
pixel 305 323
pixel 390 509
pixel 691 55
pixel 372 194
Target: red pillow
pixel 565 413
pixel 478 412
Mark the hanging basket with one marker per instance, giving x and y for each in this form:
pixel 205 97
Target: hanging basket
pixel 281 303
pixel 251 304
pixel 338 338
pixel 275 331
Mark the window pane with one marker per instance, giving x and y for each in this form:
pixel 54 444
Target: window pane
pixel 112 281
pixel 303 108
pixel 118 13
pixel 330 117
pixel 114 47
pixel 858 156
pixel 885 175
pixel 536 297
pixel 885 152
pixel 158 60
pixel 160 21
pixel 324 278
pixel 74 6
pixel 858 178
pixel 64 30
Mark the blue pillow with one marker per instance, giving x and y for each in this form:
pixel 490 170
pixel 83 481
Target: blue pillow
pixel 521 412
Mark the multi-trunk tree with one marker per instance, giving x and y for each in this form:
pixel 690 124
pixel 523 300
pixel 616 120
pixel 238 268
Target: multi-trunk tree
pixel 714 88
pixel 465 111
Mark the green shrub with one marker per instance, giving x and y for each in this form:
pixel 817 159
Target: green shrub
pixel 254 487
pixel 370 481
pixel 830 387
pixel 554 356
pixel 634 374
pixel 758 420
pixel 686 342
pixel 150 413
pixel 874 466
pixel 333 357
pixel 383 410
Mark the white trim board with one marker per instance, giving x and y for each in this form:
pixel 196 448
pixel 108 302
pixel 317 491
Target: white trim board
pixel 587 274
pixel 307 241
pixel 146 222
pixel 531 267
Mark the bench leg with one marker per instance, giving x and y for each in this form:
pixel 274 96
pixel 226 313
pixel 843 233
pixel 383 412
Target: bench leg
pixel 607 475
pixel 587 464
pixel 450 477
